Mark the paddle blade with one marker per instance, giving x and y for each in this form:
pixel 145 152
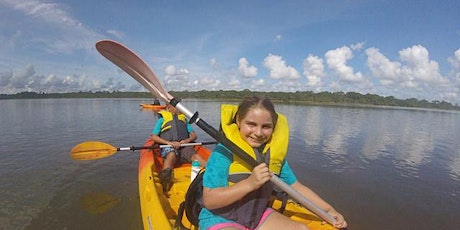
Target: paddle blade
pixel 92 150
pixel 133 65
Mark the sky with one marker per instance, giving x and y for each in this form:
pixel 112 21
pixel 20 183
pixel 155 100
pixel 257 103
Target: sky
pixel 405 49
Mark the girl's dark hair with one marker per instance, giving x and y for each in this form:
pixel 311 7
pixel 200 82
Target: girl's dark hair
pixel 254 102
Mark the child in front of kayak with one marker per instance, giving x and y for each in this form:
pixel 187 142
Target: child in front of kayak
pixel 172 128
pixel 233 201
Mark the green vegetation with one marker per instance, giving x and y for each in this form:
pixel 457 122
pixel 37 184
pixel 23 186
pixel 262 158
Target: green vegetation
pixel 328 98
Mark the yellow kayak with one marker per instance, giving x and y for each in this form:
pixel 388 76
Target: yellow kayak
pixel 160 211
pixel 153 107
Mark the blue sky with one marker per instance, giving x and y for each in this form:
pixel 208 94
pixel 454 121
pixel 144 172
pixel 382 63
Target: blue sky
pixel 405 49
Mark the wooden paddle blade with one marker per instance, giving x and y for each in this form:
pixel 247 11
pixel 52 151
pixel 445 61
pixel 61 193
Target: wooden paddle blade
pixel 132 64
pixel 92 150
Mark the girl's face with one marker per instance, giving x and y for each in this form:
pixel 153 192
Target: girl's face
pixel 256 127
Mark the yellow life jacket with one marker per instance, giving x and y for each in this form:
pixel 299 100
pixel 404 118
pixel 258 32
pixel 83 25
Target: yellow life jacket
pixel 171 130
pixel 277 145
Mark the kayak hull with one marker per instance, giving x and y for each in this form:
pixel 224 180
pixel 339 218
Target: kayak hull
pixel 152 107
pixel 160 211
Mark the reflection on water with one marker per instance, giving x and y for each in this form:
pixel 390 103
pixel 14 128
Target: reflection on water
pixel 413 138
pixel 382 168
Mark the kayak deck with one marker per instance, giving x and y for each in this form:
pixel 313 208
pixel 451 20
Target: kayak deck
pixel 153 107
pixel 160 211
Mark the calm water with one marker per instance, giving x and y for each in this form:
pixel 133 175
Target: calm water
pixel 382 168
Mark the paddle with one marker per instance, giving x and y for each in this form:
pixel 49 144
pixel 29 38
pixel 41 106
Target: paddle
pixel 91 150
pixel 132 64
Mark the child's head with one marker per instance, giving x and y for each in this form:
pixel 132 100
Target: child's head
pixel 256 119
pixel 256 102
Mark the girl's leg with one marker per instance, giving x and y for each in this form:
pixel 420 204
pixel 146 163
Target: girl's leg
pixel 276 219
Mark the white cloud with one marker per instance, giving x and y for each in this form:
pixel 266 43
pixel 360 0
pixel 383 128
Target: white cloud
pixel 455 60
pixel 313 70
pixel 212 61
pixel 278 37
pixel 414 69
pixel 233 83
pixel 176 79
pixel 455 76
pixel 419 66
pixel 415 75
pixel 278 68
pixel 46 11
pixel 26 80
pixel 337 62
pixel 54 30
pixel 209 83
pixel 246 70
pixel 182 79
pixel 170 70
pixel 381 67
pixel 258 83
pixel 116 33
pixel 175 76
pixel 357 46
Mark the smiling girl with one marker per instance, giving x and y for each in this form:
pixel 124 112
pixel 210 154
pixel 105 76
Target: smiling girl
pixel 236 196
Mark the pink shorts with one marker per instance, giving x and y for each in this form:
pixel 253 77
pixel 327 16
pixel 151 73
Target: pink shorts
pixel 267 213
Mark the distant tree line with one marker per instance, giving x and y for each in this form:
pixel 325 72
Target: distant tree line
pixel 332 98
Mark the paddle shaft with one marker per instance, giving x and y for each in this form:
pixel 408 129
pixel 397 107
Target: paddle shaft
pixel 133 148
pixel 251 161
